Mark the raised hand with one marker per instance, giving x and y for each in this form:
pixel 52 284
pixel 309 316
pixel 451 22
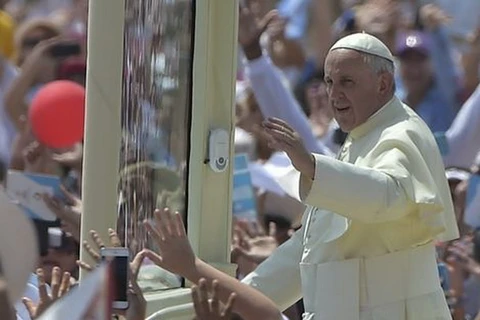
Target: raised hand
pixel 284 138
pixel 137 304
pixel 252 243
pixel 70 214
pixel 94 253
pixel 60 285
pixel 176 254
pixel 250 29
pixel 72 158
pixel 433 16
pixel 210 310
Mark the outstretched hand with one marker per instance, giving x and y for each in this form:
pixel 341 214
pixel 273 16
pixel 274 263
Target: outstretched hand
pixel 176 254
pixel 60 285
pixel 252 243
pixel 69 214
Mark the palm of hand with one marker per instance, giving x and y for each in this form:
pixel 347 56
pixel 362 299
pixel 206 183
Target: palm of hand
pixel 176 254
pixel 248 30
pixel 262 247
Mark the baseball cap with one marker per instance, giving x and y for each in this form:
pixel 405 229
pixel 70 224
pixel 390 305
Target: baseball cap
pixel 413 41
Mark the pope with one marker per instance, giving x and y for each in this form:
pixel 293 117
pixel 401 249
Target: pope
pixel 365 250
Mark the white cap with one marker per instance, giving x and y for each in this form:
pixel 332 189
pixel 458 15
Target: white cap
pixel 364 42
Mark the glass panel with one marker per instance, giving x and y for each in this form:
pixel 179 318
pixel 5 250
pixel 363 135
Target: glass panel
pixel 155 121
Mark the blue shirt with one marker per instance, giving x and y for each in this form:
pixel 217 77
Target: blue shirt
pixel 434 108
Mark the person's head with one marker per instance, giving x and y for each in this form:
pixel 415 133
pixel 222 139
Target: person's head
pixel 311 92
pixel 359 74
pixel 413 51
pixel 31 33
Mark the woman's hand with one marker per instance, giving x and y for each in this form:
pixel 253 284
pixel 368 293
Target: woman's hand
pixel 176 254
pixel 69 214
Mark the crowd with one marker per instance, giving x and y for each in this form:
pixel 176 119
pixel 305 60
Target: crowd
pixel 282 48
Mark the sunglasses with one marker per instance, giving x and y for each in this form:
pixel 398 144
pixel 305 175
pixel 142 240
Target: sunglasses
pixel 32 42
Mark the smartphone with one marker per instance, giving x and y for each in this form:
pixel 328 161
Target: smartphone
pixel 63 50
pixel 118 259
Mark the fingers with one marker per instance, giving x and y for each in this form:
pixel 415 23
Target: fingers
pixel 136 264
pixel 42 287
pixel 65 284
pixel 61 211
pixel 200 299
pixel 154 232
pixel 278 123
pixel 84 266
pixel 164 221
pixel 178 225
pixel 267 19
pixel 96 238
pixel 228 311
pixel 272 229
pixel 247 231
pixel 155 258
pixel 215 304
pixel 30 307
pixel 196 303
pixel 55 284
pixel 165 225
pixel 114 239
pixel 69 197
pixel 95 256
pixel 241 238
pixel 258 229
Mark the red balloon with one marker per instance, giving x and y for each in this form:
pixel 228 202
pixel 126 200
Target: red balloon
pixel 57 114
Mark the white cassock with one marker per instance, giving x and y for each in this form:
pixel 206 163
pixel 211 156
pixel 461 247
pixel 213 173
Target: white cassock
pixel 365 250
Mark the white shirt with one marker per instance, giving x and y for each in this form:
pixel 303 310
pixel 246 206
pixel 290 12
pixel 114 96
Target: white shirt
pixel 463 136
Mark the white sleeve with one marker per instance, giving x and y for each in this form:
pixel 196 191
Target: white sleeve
pixel 277 101
pixel 464 134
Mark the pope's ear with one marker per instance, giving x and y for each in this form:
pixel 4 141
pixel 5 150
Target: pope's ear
pixel 385 83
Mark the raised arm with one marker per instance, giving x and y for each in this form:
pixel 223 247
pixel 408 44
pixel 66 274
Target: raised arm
pixel 16 105
pixel 273 97
pixel 385 191
pixel 177 256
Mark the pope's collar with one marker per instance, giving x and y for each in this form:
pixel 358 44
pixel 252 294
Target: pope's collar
pixel 383 114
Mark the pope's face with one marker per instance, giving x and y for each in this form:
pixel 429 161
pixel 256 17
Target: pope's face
pixel 352 88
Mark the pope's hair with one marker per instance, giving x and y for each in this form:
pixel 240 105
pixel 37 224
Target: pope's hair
pixel 379 65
